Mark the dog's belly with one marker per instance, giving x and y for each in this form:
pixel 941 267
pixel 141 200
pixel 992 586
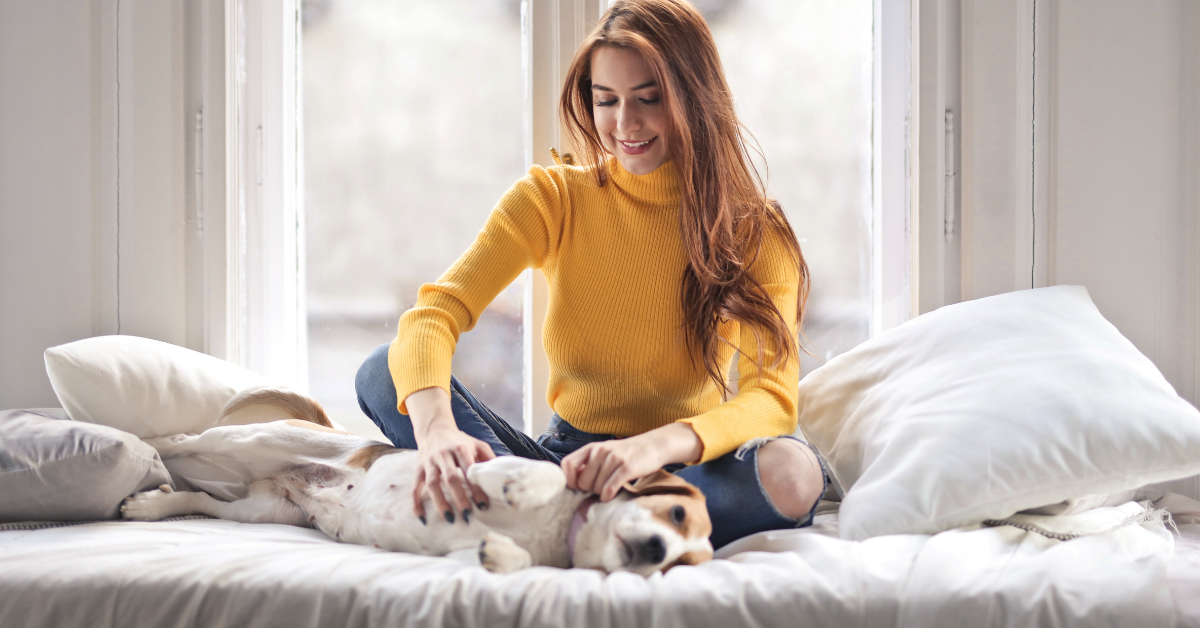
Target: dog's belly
pixel 375 508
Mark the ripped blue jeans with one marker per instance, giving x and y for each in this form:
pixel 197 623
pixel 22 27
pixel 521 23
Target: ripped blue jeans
pixel 737 503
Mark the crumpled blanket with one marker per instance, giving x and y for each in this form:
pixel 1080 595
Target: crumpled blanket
pixel 1095 521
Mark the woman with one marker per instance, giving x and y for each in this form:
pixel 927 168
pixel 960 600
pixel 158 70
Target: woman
pixel 664 258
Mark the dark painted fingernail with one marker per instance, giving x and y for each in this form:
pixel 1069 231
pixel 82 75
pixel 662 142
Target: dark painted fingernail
pixel 482 505
pixel 449 517
pixel 422 518
pixel 466 516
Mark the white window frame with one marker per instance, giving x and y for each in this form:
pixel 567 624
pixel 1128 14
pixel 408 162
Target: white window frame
pixel 895 143
pixel 239 200
pixel 940 120
pixel 551 31
pixel 135 207
pixel 245 204
pixel 272 327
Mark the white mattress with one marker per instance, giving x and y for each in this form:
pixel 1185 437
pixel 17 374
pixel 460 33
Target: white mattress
pixel 220 573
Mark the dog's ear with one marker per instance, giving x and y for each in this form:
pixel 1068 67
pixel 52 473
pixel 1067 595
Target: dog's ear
pixel 662 483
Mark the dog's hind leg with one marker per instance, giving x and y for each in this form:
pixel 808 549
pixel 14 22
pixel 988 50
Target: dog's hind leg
pixel 496 553
pixel 266 503
pixel 500 554
pixel 518 482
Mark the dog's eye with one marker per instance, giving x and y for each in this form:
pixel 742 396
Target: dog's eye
pixel 677 515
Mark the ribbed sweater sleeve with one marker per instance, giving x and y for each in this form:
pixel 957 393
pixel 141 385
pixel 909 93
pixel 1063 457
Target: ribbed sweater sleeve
pixel 520 233
pixel 767 397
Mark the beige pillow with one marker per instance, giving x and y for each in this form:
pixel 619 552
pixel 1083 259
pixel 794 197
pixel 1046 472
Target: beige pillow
pixel 151 388
pixel 142 386
pixel 56 469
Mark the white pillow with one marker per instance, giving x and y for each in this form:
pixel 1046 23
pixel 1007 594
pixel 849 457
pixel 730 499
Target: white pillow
pixel 985 408
pixel 144 387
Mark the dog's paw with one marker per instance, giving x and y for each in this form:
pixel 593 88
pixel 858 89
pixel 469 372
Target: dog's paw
pixel 499 554
pixel 532 485
pixel 153 505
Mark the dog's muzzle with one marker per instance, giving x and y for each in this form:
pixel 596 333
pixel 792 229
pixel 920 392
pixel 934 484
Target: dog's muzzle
pixel 649 551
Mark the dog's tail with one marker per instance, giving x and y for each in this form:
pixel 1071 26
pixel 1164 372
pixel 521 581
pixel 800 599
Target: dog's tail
pixel 297 405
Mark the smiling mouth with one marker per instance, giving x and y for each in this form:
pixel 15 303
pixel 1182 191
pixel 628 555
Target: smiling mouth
pixel 638 147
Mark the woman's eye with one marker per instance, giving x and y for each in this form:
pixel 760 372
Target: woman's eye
pixel 677 514
pixel 606 103
pixel 650 101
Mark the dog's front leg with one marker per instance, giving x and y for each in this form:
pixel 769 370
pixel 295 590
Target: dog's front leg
pixel 518 482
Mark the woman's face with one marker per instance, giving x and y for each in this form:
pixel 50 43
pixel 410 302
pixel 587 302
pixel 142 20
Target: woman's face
pixel 627 105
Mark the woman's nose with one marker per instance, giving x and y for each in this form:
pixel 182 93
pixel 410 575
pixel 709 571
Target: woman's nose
pixel 627 120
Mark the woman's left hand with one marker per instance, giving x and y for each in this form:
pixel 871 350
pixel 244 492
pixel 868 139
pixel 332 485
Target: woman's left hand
pixel 605 466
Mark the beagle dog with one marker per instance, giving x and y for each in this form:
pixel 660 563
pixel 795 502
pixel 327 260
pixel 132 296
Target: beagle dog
pixel 358 490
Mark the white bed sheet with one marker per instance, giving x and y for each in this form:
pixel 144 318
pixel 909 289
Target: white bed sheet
pixel 221 573
pixel 1183 576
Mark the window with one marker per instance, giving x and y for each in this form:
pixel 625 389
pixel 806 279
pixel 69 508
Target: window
pixel 413 124
pixel 800 72
pixel 413 131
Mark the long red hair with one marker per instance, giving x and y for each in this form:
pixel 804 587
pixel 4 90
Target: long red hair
pixel 725 209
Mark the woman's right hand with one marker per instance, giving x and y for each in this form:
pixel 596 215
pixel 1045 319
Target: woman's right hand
pixel 444 453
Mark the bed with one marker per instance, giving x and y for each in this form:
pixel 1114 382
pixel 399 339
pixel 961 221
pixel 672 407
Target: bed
pixel 995 456
pixel 207 572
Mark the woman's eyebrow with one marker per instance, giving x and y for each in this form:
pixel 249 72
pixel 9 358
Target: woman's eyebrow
pixel 609 89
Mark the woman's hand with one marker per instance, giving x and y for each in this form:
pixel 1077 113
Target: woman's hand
pixel 444 453
pixel 604 467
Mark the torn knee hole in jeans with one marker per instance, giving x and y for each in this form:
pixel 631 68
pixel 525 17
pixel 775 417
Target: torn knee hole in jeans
pixel 829 482
pixel 754 443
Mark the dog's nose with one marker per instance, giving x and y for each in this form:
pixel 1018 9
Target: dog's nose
pixel 653 550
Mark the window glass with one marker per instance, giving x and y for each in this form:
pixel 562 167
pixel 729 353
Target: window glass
pixel 800 71
pixel 412 131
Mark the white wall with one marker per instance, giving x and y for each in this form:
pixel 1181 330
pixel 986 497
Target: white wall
pixel 49 280
pixel 1091 178
pixel 1122 207
pixel 105 177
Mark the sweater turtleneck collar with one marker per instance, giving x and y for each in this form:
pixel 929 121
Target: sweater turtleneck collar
pixel 660 186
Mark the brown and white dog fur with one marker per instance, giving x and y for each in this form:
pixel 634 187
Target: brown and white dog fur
pixel 358 490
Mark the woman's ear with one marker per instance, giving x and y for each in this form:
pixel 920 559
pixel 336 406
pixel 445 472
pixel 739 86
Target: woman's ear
pixel 662 483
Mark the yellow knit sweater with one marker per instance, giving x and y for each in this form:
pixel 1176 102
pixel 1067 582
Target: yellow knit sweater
pixel 613 258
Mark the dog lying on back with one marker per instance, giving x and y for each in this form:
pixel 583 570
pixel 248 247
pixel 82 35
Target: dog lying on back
pixel 357 490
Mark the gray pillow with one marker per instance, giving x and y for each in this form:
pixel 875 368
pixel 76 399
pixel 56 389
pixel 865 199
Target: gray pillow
pixel 56 469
